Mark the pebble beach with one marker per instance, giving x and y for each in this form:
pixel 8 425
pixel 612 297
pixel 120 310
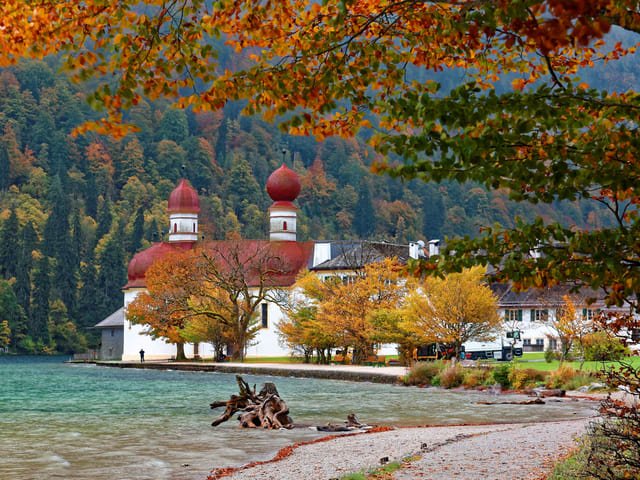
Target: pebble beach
pixel 524 451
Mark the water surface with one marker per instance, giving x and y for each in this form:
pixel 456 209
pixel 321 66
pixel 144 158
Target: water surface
pixel 61 421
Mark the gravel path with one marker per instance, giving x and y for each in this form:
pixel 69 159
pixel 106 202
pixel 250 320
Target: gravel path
pixel 488 452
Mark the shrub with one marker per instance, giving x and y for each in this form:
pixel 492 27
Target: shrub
pixel 520 378
pixel 550 355
pixel 452 376
pixel 501 375
pixel 422 373
pixel 568 378
pixel 599 346
pixel 474 377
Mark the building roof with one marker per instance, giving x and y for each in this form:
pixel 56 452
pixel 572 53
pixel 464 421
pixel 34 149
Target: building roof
pixel 282 260
pixel 550 297
pixel 184 199
pixel 116 319
pixel 357 254
pixel 141 261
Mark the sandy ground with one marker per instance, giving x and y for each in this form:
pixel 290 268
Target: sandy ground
pixel 488 452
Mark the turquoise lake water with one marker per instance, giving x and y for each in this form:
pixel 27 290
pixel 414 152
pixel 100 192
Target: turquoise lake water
pixel 62 421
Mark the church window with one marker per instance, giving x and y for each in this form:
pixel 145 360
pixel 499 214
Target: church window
pixel 284 226
pixel 175 227
pixel 265 315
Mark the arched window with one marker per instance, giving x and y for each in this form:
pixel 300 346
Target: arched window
pixel 284 225
pixel 175 228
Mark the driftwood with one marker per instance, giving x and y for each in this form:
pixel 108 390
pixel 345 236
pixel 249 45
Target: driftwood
pixel 264 409
pixel 352 423
pixel 537 401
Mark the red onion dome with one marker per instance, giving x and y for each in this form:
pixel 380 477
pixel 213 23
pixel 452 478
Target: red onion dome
pixel 184 199
pixel 283 185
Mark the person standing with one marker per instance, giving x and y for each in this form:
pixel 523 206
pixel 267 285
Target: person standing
pixel 141 355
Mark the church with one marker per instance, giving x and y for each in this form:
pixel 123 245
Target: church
pixel 122 340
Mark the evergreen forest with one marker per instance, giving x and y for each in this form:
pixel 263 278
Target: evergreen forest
pixel 75 209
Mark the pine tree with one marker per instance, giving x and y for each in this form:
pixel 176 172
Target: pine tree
pixel 87 297
pixel 5 168
pixel 11 311
pixel 137 233
pixel 364 221
pixel 104 220
pixel 111 275
pixel 39 319
pixel 8 245
pixel 22 287
pixel 91 196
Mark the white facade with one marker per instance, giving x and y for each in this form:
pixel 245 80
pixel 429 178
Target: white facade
pixel 183 227
pixel 282 222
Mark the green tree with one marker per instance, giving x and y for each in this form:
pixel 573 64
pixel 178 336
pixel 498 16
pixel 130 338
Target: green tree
pixel 12 313
pixel 22 287
pixel 9 235
pixel 5 168
pixel 39 318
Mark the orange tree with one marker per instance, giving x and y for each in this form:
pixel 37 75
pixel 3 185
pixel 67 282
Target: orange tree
pixel 337 66
pixel 164 308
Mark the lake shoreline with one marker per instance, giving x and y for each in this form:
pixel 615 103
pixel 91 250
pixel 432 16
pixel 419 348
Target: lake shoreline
pixel 353 373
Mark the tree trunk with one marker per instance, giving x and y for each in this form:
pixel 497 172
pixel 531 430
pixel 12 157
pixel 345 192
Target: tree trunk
pixel 180 352
pixel 196 351
pixel 264 409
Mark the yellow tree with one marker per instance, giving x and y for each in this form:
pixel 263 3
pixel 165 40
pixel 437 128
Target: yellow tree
pixel 5 334
pixel 454 309
pixel 348 312
pixel 569 326
pixel 300 329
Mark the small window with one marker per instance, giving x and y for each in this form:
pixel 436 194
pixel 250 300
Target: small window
pixel 539 315
pixel 194 228
pixel 113 332
pixel 513 315
pixel 175 228
pixel 265 315
pixel 526 342
pixel 539 341
pixel 284 226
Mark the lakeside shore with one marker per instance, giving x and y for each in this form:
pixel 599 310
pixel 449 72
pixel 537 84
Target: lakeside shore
pixel 526 451
pixel 499 451
pixel 354 373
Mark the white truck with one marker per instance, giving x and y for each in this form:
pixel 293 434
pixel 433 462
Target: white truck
pixel 504 348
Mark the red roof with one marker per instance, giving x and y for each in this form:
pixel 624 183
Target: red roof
pixel 284 259
pixel 141 261
pixel 184 199
pixel 283 185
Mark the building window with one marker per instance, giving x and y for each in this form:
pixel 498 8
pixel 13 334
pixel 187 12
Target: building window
pixel 526 342
pixel 113 332
pixel 265 315
pixel 284 226
pixel 175 228
pixel 589 313
pixel 194 228
pixel 540 341
pixel 513 315
pixel 539 315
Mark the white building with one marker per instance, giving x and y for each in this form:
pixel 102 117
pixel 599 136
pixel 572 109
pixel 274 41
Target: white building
pixel 325 257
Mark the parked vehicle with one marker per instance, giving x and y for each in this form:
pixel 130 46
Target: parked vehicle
pixel 501 349
pixel 434 351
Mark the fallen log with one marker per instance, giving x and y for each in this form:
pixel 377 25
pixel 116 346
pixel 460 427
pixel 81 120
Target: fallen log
pixel 537 401
pixel 351 424
pixel 264 409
